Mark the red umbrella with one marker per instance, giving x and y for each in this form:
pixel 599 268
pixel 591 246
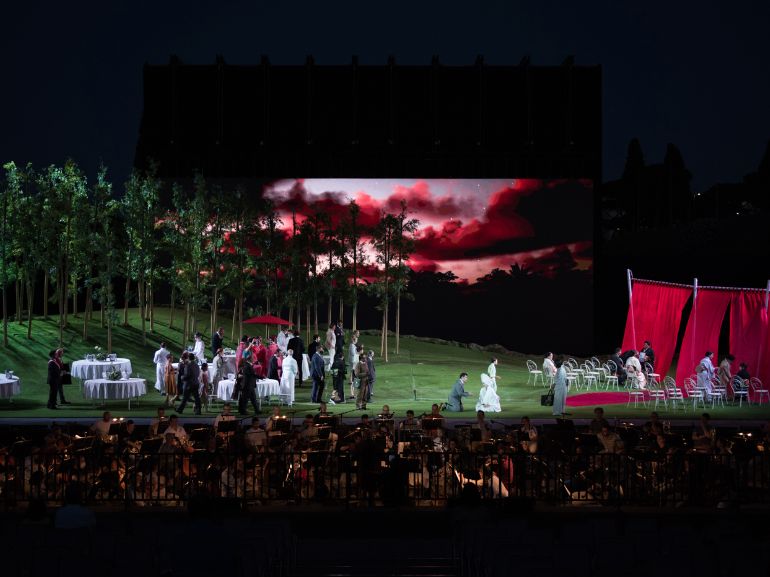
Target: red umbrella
pixel 267 320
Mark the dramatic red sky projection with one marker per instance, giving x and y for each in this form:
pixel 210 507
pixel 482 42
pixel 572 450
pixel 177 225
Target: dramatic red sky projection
pixel 469 227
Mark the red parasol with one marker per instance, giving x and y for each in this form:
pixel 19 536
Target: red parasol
pixel 267 320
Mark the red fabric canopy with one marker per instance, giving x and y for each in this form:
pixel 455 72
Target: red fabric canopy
pixel 267 320
pixel 749 334
pixel 702 333
pixel 654 315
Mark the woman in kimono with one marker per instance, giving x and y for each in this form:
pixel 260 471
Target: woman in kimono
pixel 560 389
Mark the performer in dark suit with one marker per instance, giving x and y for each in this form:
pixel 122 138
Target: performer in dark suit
pixel 339 333
pixel 649 354
pixel 216 341
pixel 619 367
pixel 298 346
pixel 54 379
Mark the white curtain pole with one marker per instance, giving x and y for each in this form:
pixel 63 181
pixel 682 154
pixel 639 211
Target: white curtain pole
pixel 629 276
pixel 694 317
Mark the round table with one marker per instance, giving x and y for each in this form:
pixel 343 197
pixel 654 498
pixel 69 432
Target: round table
pixel 105 389
pixel 9 387
pixel 85 370
pixel 265 388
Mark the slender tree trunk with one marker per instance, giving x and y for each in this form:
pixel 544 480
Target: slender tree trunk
pixel 307 325
pixel 382 333
pixel 241 297
pixel 74 296
pixel 299 320
pixel 86 312
pixel 291 313
pixel 315 313
pixel 125 303
pixel 186 323
pixel 30 300
pixel 62 287
pixel 342 310
pixel 355 314
pixel 214 309
pixel 142 304
pixel 101 315
pixel 5 317
pixel 152 310
pixel 19 302
pixel 46 281
pixel 329 311
pixel 235 314
pixel 398 318
pixel 110 316
pixel 173 302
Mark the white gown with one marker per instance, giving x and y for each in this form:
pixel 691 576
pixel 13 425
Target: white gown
pixel 288 374
pixel 489 400
pixel 160 368
pixel 198 350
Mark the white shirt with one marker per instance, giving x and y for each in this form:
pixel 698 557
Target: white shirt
pixel 282 340
pixel 160 356
pixel 198 350
pixel 548 367
pixel 101 426
pixel 178 432
pixel 492 370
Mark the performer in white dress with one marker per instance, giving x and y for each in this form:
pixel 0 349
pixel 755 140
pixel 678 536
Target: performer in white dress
pixel 282 340
pixel 160 367
pixel 492 370
pixel 489 400
pixel 199 348
pixel 289 373
pixel 705 371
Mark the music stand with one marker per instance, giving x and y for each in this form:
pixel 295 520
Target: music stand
pixel 432 423
pixel 327 420
pixel 281 425
pixel 162 426
pixel 230 426
pixel 150 446
pixel 275 441
pixel 199 435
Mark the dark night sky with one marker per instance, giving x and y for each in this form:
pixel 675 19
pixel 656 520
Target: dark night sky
pixel 693 73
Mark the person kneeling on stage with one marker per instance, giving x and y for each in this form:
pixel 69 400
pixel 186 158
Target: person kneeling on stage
pixel 455 401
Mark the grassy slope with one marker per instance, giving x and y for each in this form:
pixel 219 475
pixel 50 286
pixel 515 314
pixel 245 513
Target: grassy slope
pixel 431 368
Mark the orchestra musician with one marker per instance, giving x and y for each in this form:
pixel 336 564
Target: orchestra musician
pixel 155 423
pixel 226 415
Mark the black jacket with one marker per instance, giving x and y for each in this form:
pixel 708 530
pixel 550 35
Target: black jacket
pixel 298 347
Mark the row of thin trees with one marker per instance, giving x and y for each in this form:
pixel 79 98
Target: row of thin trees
pixel 209 247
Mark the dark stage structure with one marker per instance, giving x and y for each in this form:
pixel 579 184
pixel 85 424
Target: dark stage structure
pixel 361 120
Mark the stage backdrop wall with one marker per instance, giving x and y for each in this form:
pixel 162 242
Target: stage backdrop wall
pixel 702 332
pixel 654 315
pixel 749 333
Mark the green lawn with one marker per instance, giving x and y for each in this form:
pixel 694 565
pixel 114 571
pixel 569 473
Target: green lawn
pixel 429 368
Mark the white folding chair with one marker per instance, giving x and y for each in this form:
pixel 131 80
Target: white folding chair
pixel 534 373
pixel 740 391
pixel 759 390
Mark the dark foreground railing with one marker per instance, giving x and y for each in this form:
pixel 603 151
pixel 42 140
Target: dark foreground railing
pixel 375 479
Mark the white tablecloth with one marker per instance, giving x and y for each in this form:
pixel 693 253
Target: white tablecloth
pixel 105 389
pixel 265 387
pixel 85 370
pixel 9 387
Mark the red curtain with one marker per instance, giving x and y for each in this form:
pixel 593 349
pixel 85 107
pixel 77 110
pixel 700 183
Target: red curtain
pixel 749 334
pixel 702 332
pixel 654 315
